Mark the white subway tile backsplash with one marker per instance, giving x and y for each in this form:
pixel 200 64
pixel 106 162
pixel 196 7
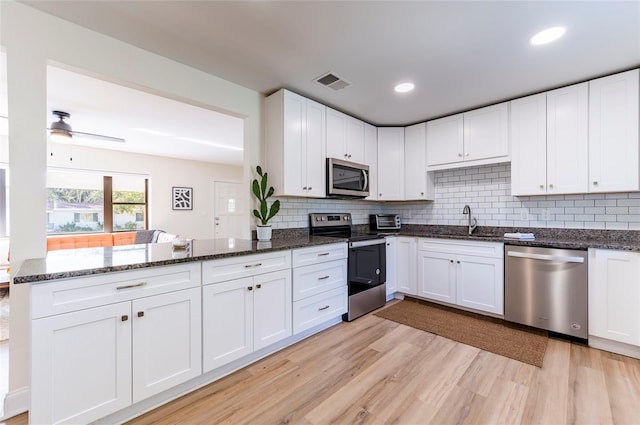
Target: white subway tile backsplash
pixel 487 190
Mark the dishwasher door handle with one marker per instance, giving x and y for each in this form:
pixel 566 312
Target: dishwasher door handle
pixel 545 257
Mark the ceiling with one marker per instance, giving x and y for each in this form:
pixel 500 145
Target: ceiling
pixel 460 55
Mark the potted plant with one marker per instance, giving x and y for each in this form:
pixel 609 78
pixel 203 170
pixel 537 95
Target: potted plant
pixel 264 214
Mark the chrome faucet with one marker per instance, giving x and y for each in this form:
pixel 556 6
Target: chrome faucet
pixel 472 226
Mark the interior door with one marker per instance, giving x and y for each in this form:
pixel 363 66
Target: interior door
pixel 230 208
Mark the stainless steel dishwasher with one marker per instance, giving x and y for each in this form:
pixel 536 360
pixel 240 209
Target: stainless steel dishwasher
pixel 547 288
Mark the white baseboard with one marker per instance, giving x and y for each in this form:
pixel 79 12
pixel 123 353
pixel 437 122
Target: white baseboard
pixel 15 403
pixel 614 347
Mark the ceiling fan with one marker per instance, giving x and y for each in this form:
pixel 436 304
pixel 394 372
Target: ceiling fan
pixel 61 132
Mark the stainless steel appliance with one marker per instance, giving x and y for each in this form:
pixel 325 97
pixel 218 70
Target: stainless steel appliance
pixel 347 179
pixel 384 222
pixel 366 262
pixel 547 288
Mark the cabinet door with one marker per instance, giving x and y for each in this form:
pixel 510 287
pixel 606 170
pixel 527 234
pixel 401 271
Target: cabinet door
pixel 486 133
pixel 227 322
pixel 613 133
pixel 391 161
pixel 529 145
pixel 436 276
pixel 166 341
pixel 614 295
pixel 355 140
pixel 480 283
pixel 567 140
pixel 336 134
pixel 445 138
pixel 391 264
pixel 96 345
pixel 272 308
pixel 406 265
pixel 313 160
pixel 294 153
pixel 371 159
pixel 418 184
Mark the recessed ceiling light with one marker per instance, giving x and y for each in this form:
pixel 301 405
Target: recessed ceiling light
pixel 404 87
pixel 547 36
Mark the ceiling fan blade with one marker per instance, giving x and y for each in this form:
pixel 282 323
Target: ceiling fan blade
pixel 98 137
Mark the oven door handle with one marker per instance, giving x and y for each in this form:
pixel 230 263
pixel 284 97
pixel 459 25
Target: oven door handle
pixel 366 243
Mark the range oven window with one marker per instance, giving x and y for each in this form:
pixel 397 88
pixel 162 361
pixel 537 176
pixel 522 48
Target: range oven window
pixel 366 267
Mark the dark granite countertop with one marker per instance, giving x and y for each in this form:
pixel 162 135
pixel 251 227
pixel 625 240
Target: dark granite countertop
pixel 67 263
pixel 628 240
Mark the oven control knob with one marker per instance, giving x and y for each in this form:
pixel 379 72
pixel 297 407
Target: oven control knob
pixel 346 217
pixel 317 218
pixel 377 271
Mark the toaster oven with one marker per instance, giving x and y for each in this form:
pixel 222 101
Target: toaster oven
pixel 384 222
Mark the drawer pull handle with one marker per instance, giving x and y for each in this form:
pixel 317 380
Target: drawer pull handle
pixel 135 285
pixel 323 277
pixel 252 265
pixel 323 308
pixel 141 314
pixel 124 318
pixel 323 254
pixel 250 288
pixel 258 286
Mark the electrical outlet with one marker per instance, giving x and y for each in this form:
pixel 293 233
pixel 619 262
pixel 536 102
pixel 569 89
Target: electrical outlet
pixel 524 214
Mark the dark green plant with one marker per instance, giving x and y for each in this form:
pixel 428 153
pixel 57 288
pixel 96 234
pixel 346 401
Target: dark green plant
pixel 264 214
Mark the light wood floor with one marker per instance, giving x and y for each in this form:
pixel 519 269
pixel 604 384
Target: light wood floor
pixel 376 371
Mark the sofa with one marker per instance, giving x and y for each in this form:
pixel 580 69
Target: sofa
pixel 92 240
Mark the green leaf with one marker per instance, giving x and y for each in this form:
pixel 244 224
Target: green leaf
pixel 256 189
pixel 263 186
pixel 257 214
pixel 259 170
pixel 275 207
pixel 269 193
pixel 263 210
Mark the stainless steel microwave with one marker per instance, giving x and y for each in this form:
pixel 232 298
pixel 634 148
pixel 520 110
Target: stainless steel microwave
pixel 347 179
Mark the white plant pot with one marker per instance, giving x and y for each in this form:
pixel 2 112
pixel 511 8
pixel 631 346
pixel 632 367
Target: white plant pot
pixel 264 232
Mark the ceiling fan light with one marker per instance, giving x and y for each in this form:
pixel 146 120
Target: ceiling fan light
pixel 60 136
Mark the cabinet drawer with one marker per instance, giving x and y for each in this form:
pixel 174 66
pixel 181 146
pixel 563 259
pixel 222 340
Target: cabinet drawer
pixel 249 265
pixel 67 295
pixel 318 309
pixel 463 247
pixel 318 278
pixel 317 254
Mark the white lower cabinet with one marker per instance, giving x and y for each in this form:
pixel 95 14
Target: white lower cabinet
pixel 319 286
pixel 406 265
pixel 90 362
pixel 614 301
pixel 243 315
pixel 391 266
pixel 465 273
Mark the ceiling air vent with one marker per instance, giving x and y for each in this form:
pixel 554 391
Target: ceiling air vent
pixel 332 81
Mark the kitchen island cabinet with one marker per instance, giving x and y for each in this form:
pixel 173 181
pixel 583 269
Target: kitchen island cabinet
pixel 247 313
pixel 614 301
pixel 125 336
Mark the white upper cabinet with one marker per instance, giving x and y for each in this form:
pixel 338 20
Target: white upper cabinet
pixel 445 140
pixel 345 137
pixel 613 133
pixel 568 140
pixel 418 184
pixel 371 159
pixel 295 145
pixel 476 137
pixel 390 164
pixel 529 145
pixel 550 143
pixel 486 134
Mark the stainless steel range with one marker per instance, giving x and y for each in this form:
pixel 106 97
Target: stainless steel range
pixel 366 262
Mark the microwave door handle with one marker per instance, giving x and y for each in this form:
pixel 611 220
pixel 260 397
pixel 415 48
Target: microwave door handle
pixel 366 180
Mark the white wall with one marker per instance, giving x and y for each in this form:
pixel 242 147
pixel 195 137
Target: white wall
pixel 164 173
pixel 32 40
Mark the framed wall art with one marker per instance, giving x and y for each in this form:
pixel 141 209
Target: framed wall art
pixel 182 198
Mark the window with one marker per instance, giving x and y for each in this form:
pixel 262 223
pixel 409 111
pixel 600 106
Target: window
pixel 83 202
